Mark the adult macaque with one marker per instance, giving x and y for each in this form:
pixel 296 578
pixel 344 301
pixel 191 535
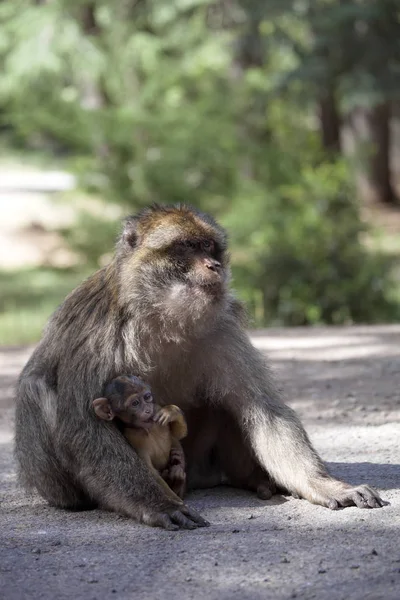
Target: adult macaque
pixel 162 308
pixel 154 432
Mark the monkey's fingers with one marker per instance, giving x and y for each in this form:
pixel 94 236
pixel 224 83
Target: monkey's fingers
pixel 194 516
pixel 177 473
pixel 183 521
pixel 162 418
pixel 160 520
pixel 362 496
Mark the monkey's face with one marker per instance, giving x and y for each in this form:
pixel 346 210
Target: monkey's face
pixel 131 400
pixel 138 408
pixel 180 258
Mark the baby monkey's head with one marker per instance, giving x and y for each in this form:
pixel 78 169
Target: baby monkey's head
pixel 129 399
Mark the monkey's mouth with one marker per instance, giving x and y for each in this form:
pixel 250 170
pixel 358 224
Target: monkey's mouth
pixel 209 283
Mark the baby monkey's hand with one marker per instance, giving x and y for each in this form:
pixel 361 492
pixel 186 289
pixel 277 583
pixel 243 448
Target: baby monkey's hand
pixel 167 414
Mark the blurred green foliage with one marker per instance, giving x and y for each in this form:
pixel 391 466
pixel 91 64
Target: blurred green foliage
pixel 28 297
pixel 213 104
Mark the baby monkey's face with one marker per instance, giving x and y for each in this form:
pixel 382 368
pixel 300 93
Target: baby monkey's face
pixel 138 408
pixel 132 401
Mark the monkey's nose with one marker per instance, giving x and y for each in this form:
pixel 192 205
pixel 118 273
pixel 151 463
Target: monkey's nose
pixel 212 264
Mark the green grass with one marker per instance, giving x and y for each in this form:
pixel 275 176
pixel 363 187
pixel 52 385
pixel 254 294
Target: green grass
pixel 27 299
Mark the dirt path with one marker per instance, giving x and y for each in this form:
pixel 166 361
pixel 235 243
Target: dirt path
pixel 345 383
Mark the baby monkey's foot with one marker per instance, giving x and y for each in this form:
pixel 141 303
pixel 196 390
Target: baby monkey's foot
pixel 175 476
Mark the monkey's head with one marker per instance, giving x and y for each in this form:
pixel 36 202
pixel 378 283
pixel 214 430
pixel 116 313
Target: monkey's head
pixel 129 399
pixel 175 260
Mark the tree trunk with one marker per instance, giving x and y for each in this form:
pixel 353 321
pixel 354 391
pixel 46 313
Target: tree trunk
pixel 329 121
pixel 371 131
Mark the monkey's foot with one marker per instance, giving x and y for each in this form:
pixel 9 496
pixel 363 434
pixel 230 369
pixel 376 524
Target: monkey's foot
pixel 265 491
pixel 336 494
pixel 179 517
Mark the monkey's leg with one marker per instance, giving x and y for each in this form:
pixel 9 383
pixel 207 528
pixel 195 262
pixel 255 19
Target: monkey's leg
pixel 203 470
pixel 36 453
pixel 239 466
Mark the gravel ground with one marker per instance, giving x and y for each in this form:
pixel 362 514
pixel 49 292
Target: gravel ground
pixel 345 384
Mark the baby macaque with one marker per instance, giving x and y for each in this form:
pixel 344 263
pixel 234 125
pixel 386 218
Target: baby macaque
pixel 154 432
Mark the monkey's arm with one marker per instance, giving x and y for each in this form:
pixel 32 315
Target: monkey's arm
pixel 86 461
pixel 173 416
pixel 279 442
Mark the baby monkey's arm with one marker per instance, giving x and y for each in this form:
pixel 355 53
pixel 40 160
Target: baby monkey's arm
pixel 173 416
pixel 176 473
pixel 143 453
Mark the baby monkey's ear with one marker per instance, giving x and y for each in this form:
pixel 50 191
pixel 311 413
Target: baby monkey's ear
pixel 103 409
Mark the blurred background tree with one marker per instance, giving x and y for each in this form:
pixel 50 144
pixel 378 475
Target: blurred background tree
pixel 278 116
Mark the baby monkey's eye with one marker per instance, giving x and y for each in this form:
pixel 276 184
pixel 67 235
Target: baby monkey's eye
pixel 135 402
pixel 147 397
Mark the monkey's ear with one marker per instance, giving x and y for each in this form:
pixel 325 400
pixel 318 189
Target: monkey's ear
pixel 129 236
pixel 103 409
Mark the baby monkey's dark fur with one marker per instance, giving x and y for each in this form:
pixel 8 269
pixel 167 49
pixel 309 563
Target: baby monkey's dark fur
pixel 154 432
pixel 162 308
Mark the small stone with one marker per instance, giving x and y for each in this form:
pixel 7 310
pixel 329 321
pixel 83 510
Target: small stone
pixel 354 566
pixel 93 580
pixel 251 517
pixel 56 543
pixel 216 564
pixel 188 579
pixel 36 551
pixel 321 570
pixel 235 530
pixel 374 552
pixel 285 560
pixel 289 518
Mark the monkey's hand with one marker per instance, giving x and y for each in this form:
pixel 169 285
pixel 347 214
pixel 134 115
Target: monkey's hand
pixel 168 414
pixel 175 476
pixel 335 494
pixel 362 496
pixel 178 517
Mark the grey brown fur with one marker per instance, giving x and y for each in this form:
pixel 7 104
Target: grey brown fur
pixel 162 309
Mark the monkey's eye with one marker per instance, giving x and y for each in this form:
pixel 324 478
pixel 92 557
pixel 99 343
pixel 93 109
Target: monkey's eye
pixel 147 397
pixel 187 244
pixel 208 245
pixel 135 403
